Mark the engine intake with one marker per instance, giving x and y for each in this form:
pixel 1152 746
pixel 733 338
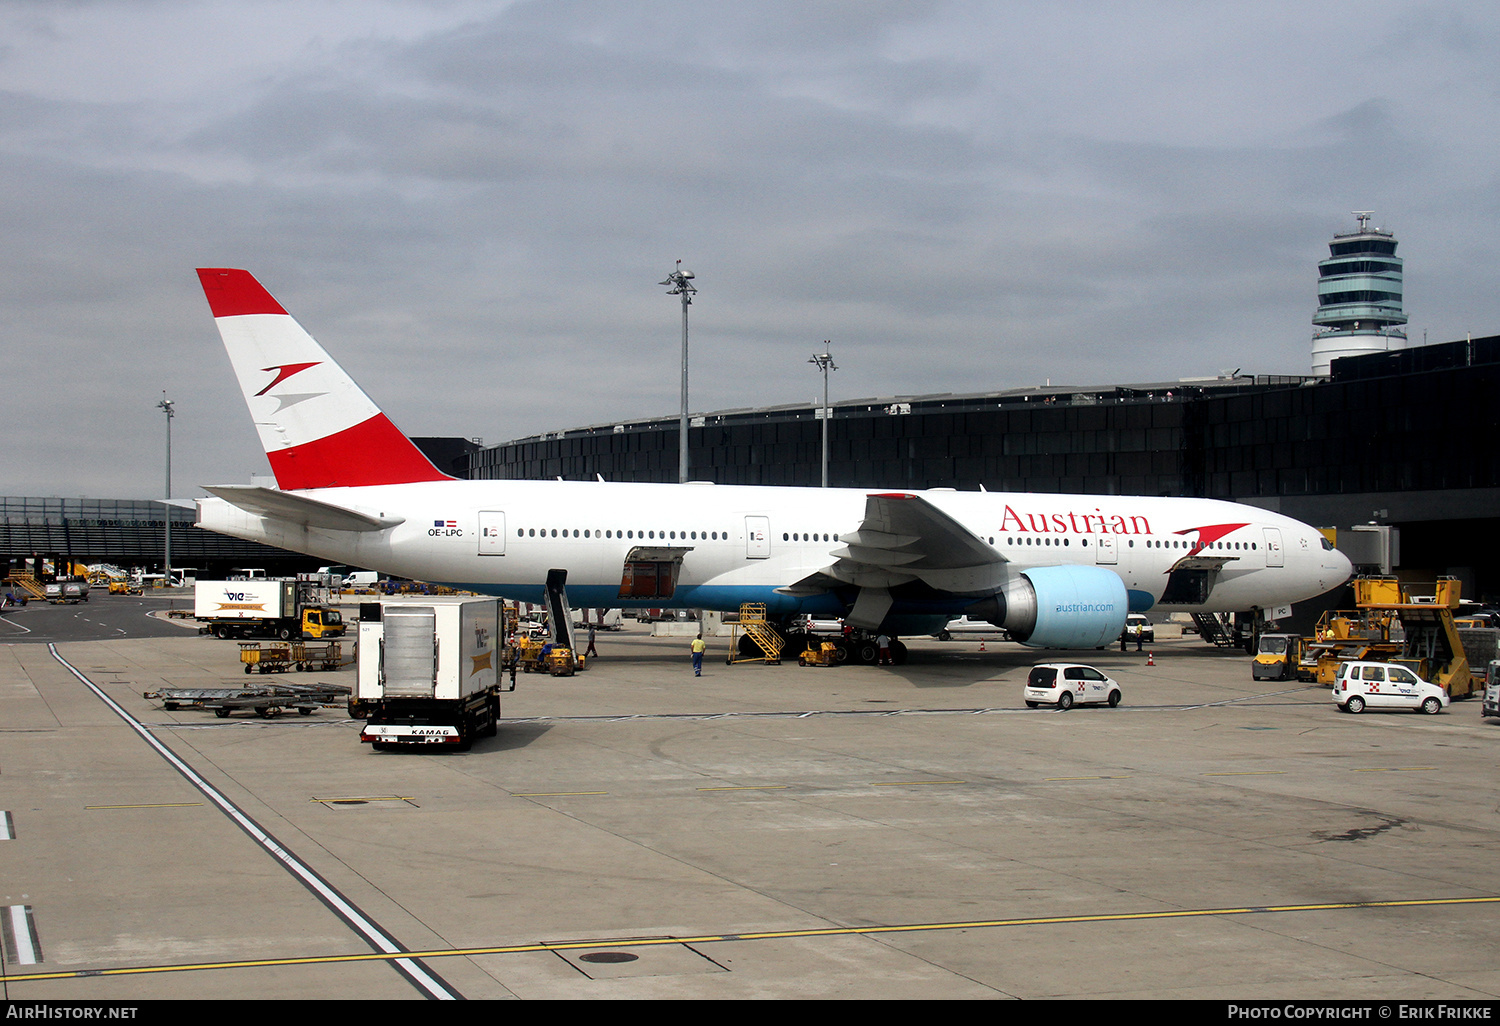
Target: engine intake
pixel 1060 607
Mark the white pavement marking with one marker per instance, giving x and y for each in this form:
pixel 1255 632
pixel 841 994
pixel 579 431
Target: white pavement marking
pixel 21 944
pixel 428 982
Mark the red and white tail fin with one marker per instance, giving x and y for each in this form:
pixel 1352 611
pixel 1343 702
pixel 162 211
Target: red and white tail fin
pixel 318 428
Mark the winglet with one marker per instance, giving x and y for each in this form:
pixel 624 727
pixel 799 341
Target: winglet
pixel 319 430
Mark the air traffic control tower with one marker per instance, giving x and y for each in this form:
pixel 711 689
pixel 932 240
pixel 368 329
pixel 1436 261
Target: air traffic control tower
pixel 1359 296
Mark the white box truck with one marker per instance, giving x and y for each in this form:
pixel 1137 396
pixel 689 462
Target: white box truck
pixel 429 673
pixel 265 608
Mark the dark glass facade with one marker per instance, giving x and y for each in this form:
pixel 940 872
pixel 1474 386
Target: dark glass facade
pixel 127 533
pixel 1412 419
pixel 1410 438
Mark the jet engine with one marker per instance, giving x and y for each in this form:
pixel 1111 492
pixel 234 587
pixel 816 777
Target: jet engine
pixel 1059 607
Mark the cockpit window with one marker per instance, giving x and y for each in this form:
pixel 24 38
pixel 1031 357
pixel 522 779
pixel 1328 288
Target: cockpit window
pixel 1327 545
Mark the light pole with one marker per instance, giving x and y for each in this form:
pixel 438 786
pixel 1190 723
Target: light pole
pixel 825 364
pixel 681 282
pixel 166 407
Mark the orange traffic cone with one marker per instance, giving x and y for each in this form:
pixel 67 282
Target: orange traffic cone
pixel 981 646
pixel 1150 658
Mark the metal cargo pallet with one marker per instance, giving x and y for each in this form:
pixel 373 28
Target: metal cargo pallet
pixel 266 699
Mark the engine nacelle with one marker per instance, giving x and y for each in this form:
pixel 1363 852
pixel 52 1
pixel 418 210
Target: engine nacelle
pixel 1060 607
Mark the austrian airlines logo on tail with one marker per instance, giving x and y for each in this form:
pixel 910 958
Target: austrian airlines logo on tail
pixel 284 371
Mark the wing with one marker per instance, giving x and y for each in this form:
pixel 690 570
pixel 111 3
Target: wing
pixel 904 538
pixel 299 509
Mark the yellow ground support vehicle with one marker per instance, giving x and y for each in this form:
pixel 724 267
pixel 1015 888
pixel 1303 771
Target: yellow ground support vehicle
pixel 1279 657
pixel 562 662
pixel 534 655
pixel 1390 626
pixel 819 653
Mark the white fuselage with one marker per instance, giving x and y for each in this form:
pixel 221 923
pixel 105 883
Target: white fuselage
pixel 740 544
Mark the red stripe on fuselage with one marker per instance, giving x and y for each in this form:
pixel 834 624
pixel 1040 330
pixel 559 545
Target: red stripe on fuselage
pixel 371 453
pixel 233 292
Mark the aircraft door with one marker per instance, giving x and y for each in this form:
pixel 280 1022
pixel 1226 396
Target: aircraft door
pixel 757 537
pixel 491 533
pixel 1274 555
pixel 1105 551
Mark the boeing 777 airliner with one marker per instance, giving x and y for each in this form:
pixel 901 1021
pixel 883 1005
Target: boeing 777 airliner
pixel 1055 571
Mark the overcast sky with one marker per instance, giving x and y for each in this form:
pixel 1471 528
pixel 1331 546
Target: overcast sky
pixel 470 202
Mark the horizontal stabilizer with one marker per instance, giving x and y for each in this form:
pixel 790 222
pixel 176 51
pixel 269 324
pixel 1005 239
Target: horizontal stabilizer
pixel 299 509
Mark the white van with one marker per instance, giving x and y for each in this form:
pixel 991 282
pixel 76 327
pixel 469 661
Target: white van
pixel 971 626
pixel 1362 685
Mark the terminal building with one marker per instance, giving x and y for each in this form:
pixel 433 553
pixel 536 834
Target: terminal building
pixel 1404 439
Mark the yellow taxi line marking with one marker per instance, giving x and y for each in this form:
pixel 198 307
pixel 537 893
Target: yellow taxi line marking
pixel 1394 769
pixel 1248 773
pixel 831 931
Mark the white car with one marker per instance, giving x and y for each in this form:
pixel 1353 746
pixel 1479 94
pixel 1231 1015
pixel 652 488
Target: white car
pixel 1068 684
pixel 1361 685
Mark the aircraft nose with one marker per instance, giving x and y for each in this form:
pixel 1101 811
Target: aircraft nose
pixel 1336 568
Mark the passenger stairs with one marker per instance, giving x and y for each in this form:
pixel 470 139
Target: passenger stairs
pixel 1213 630
pixel 25 581
pixel 760 640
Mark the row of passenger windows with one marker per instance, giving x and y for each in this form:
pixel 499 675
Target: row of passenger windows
pixel 1183 544
pixel 543 532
